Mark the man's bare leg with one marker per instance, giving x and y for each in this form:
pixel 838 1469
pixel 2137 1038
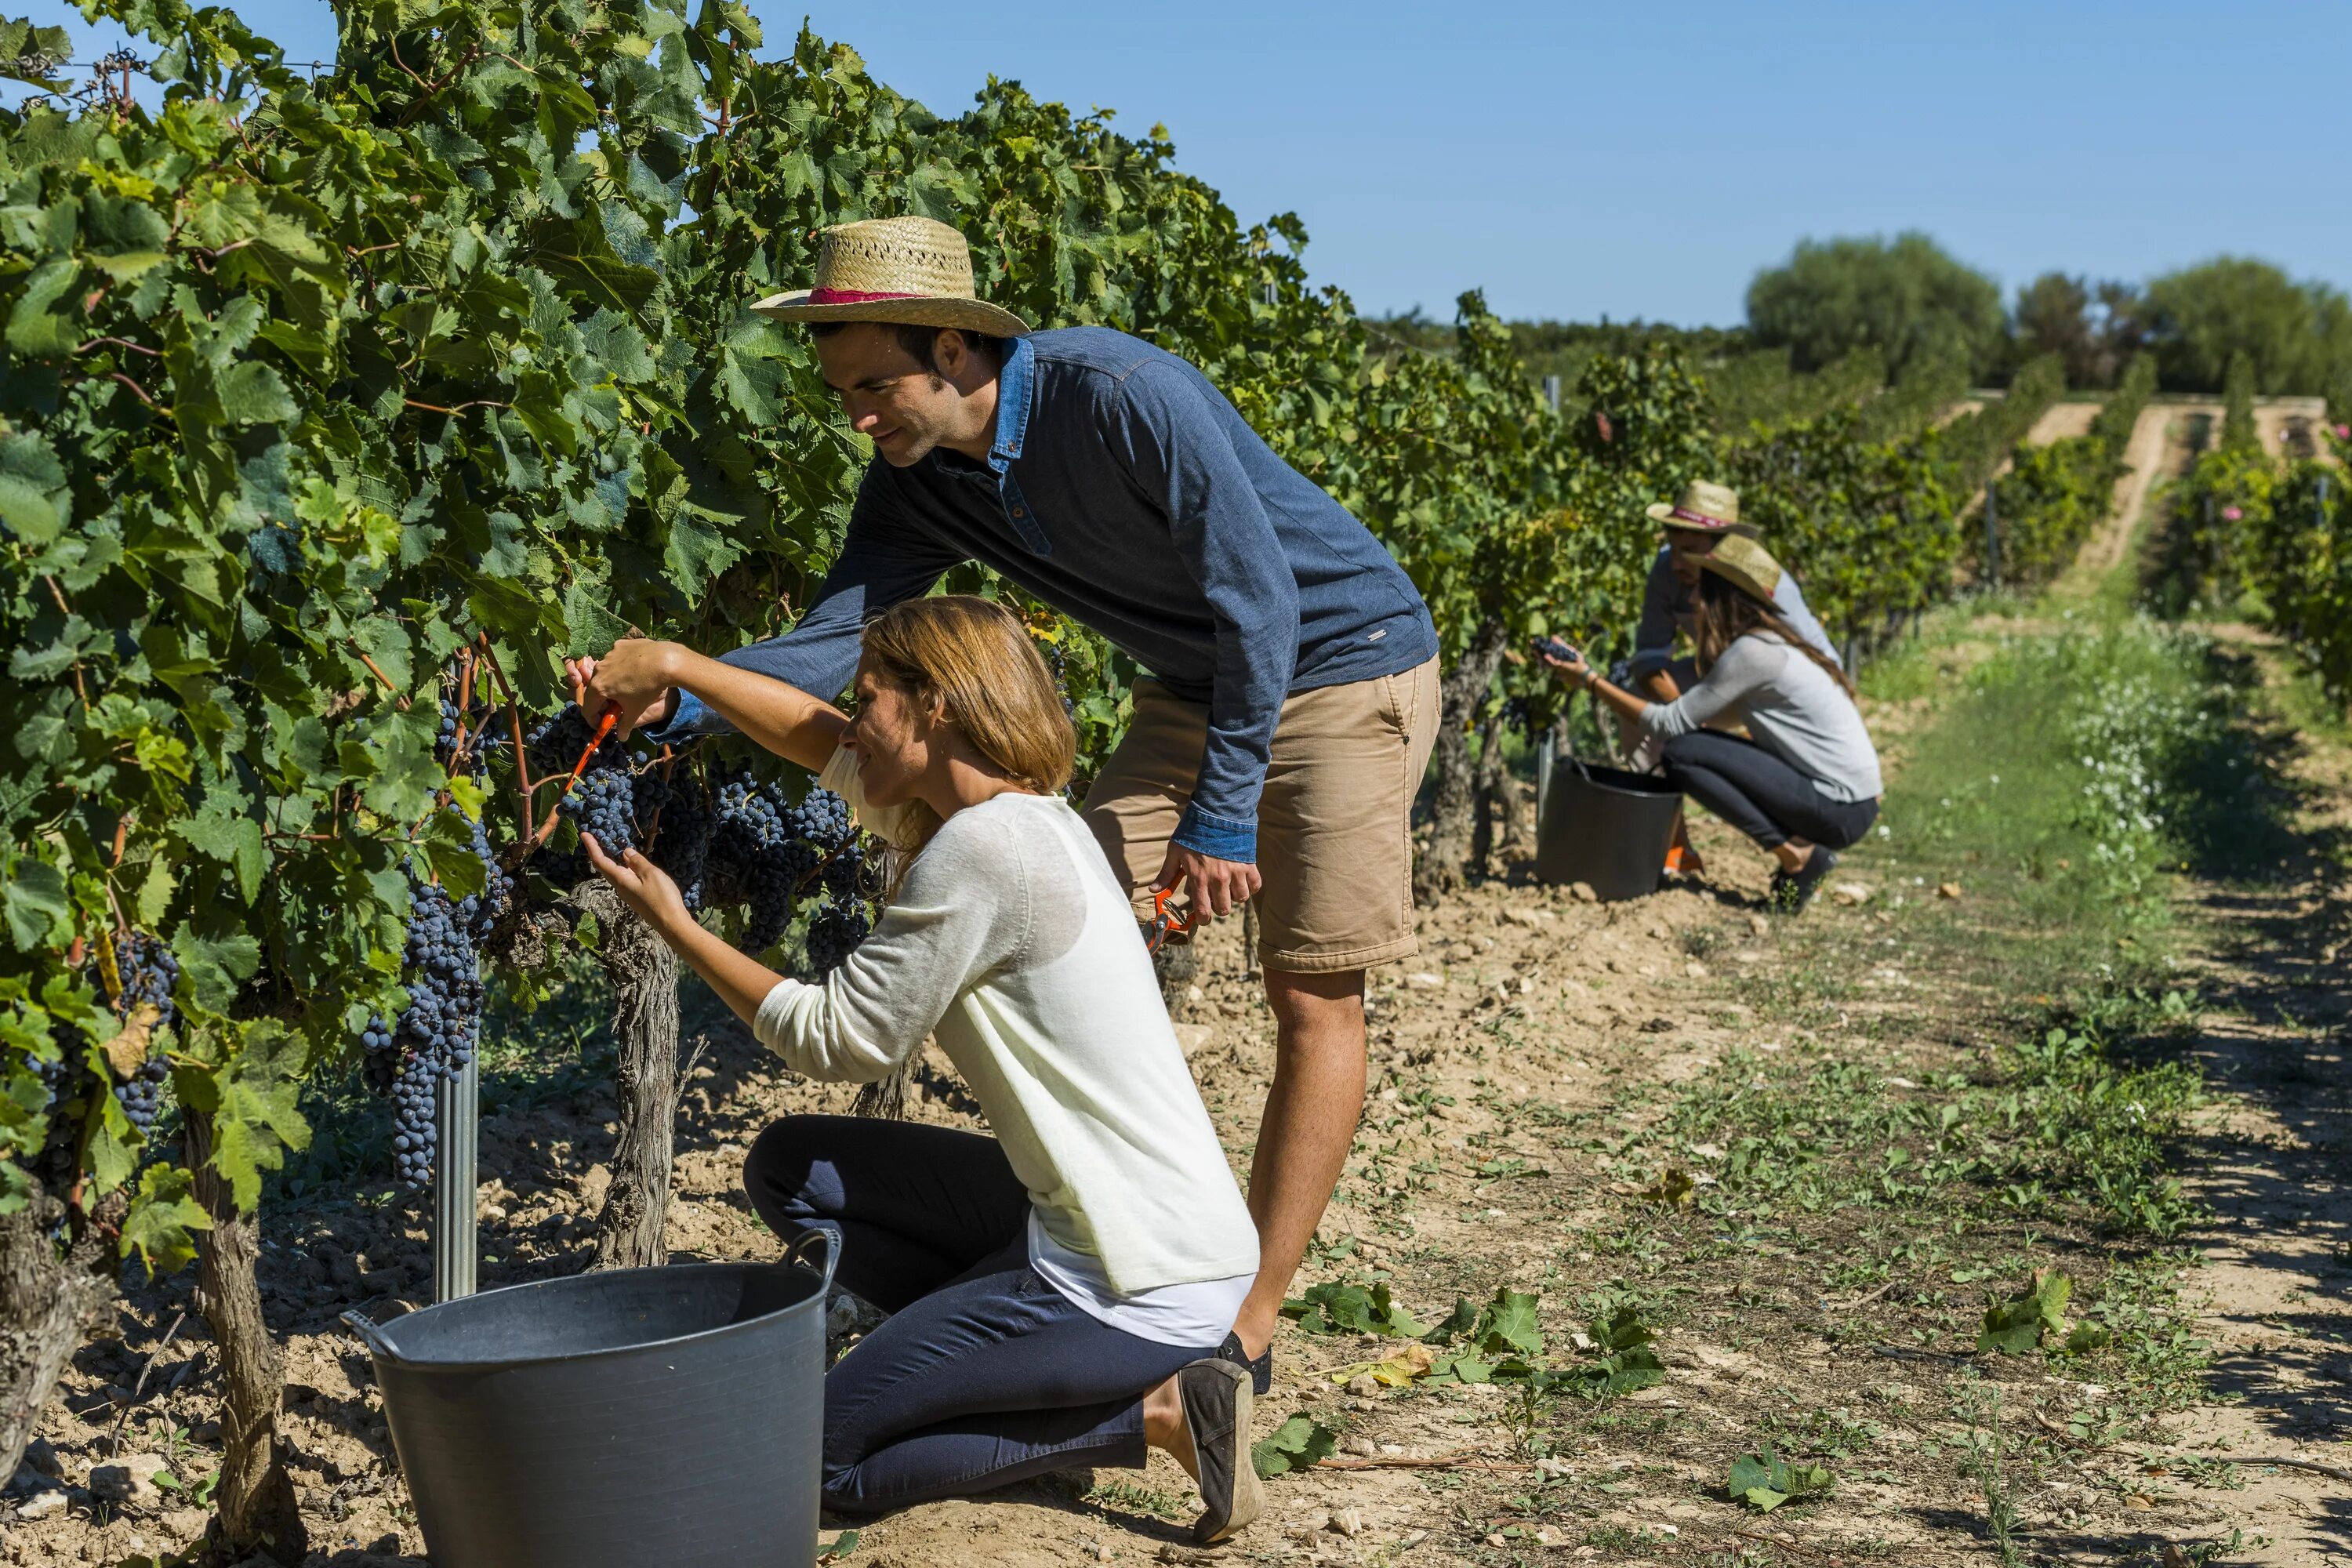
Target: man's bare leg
pixel 1305 1131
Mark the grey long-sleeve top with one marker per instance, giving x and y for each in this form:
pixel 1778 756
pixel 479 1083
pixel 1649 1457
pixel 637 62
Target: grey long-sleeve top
pixel 1790 705
pixel 1124 489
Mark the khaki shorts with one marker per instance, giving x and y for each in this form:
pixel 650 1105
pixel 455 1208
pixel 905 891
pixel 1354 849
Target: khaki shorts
pixel 1334 826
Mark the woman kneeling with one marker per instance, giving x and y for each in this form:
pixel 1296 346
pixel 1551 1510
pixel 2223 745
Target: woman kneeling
pixel 1807 784
pixel 1057 1293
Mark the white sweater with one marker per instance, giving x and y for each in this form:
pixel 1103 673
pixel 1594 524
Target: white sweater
pixel 1790 705
pixel 1011 943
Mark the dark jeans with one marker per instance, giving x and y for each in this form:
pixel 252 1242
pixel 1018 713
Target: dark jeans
pixel 985 1374
pixel 1756 792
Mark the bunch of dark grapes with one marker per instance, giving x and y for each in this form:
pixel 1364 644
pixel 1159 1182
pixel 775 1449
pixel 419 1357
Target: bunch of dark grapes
pixel 556 744
pixel 67 1081
pixel 835 934
pixel 142 1097
pixel 757 860
pixel 482 910
pixel 604 803
pixel 149 973
pixel 1057 660
pixel 481 737
pixel 435 1035
pixel 146 973
pixel 606 784
pixel 678 814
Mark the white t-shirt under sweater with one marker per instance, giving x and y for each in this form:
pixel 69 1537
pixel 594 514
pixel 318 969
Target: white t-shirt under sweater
pixel 1010 942
pixel 1790 705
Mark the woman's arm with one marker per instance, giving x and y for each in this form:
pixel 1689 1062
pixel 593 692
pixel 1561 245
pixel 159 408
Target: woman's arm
pixel 961 912
pixel 742 981
pixel 1616 697
pixel 776 715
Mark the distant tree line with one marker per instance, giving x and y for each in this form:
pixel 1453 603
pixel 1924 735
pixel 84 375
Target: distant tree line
pixel 1842 315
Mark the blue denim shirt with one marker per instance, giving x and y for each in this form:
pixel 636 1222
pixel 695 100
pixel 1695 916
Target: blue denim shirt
pixel 1124 491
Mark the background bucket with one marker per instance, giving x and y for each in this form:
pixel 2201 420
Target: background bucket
pixel 640 1417
pixel 1605 827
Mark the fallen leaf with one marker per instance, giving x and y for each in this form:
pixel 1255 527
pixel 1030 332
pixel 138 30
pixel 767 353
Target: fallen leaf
pixel 1948 890
pixel 1673 1188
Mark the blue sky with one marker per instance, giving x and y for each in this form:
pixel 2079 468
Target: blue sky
pixel 1577 161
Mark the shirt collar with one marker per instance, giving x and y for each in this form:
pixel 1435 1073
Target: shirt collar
pixel 1014 379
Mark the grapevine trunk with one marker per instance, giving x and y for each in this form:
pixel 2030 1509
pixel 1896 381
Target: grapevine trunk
pixel 1443 868
pixel 48 1303
pixel 255 1505
pixel 630 1230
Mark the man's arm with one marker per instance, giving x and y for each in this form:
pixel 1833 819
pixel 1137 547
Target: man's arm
pixel 1654 639
pixel 885 560
pixel 1790 600
pixel 1180 455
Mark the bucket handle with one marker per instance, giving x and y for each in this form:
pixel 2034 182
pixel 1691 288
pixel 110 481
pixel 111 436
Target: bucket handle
pixel 369 1334
pixel 795 1255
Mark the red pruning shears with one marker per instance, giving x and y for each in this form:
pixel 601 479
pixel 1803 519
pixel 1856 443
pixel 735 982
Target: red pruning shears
pixel 1166 922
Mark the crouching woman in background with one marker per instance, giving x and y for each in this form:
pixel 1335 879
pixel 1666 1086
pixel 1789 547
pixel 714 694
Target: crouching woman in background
pixel 1804 783
pixel 1057 1292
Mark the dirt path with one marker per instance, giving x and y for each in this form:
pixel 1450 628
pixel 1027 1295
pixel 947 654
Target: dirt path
pixel 2276 1288
pixel 2145 457
pixel 2061 420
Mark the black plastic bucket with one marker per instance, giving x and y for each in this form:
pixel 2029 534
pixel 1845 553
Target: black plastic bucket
pixel 640 1417
pixel 1606 829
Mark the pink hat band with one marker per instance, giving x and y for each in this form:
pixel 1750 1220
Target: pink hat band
pixel 1699 517
pixel 853 297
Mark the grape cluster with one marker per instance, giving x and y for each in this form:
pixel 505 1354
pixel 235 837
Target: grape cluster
pixel 678 814
pixel 556 744
pixel 835 934
pixel 1057 660
pixel 149 974
pixel 728 840
pixel 142 1097
pixel 435 1035
pixel 146 973
pixel 604 803
pixel 481 737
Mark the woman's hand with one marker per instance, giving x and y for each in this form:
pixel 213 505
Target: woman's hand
pixel 644 887
pixel 1574 668
pixel 636 676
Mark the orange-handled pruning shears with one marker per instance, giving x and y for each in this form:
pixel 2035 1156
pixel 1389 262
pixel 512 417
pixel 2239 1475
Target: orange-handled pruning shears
pixel 1166 922
pixel 612 716
pixel 604 728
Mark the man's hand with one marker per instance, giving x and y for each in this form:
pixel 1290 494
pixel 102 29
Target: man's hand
pixel 644 887
pixel 1216 885
pixel 635 678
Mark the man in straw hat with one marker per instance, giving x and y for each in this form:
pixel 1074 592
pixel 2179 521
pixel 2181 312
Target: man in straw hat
pixel 1704 513
pixel 1275 750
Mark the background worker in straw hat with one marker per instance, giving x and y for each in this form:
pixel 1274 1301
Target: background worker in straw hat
pixel 1807 783
pixel 1704 513
pixel 1275 750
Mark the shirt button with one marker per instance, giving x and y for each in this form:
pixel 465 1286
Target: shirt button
pixel 1018 512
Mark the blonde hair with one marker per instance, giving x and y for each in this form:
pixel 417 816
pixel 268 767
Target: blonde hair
pixel 975 659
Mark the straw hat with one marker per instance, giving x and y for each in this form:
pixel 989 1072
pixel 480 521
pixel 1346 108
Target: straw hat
pixel 909 269
pixel 1745 565
pixel 1704 507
